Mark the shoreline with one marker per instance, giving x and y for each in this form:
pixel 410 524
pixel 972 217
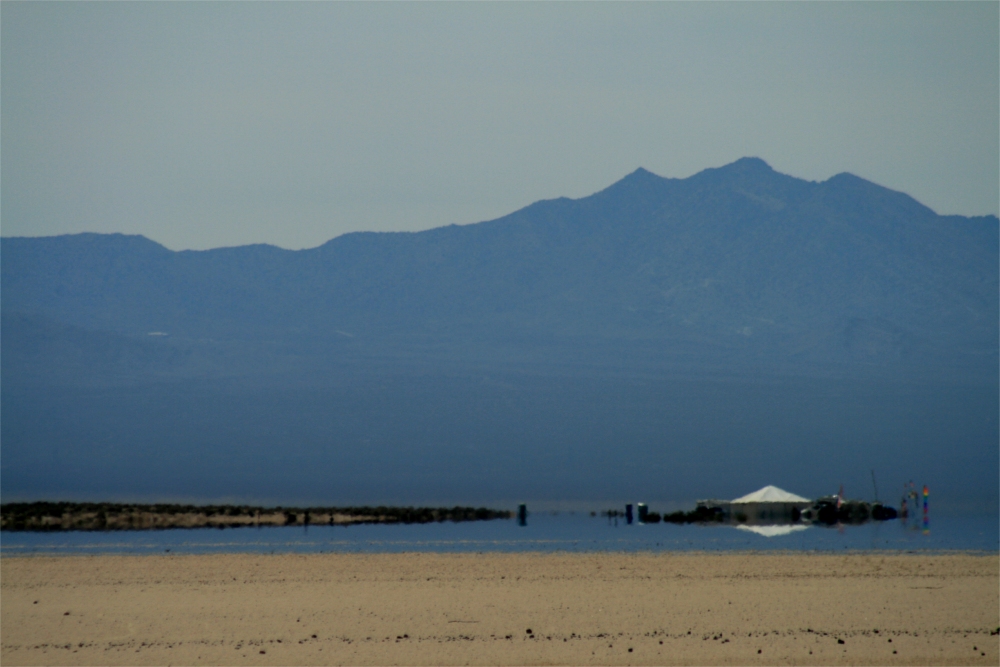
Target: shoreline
pixel 817 553
pixel 458 608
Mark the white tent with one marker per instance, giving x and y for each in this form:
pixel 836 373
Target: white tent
pixel 771 494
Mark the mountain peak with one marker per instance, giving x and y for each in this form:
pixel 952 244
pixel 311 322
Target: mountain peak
pixel 751 163
pixel 746 165
pixel 747 171
pixel 641 175
pixel 640 180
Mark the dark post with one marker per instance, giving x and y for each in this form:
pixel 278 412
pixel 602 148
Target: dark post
pixel 643 511
pixel 927 521
pixel 522 515
pixel 628 514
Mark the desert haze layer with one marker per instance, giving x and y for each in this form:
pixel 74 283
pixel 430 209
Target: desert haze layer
pixel 501 609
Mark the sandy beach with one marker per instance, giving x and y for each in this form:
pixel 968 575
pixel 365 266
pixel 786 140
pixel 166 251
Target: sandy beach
pixel 509 609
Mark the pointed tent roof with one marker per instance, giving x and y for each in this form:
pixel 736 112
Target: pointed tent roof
pixel 771 494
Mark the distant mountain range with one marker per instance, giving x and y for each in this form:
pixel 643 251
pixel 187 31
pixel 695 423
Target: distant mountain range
pixel 731 266
pixel 738 272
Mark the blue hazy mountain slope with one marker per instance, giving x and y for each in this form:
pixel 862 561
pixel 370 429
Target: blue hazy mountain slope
pixel 736 260
pixel 678 337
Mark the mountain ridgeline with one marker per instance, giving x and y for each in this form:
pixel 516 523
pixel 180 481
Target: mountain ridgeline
pixel 517 357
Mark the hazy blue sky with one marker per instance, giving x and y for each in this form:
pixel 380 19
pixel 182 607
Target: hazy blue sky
pixel 209 124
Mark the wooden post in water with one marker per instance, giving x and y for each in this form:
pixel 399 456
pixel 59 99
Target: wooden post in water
pixel 628 514
pixel 927 520
pixel 643 511
pixel 522 515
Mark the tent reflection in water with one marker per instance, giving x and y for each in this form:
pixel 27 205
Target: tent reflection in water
pixel 774 531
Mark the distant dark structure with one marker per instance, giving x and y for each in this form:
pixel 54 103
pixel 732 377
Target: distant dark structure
pixel 832 509
pixel 767 505
pixel 773 506
pixel 62 516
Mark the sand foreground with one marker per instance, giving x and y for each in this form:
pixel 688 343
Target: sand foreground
pixel 528 609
